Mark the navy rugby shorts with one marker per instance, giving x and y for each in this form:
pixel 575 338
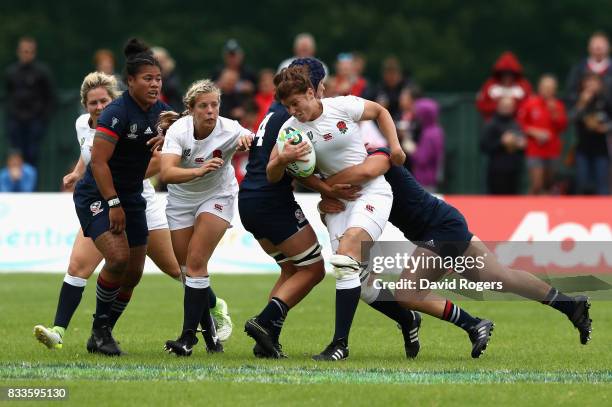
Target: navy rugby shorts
pixel 447 234
pixel 272 219
pixel 92 210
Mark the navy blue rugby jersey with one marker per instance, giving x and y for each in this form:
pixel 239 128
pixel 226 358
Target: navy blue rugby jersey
pixel 255 182
pixel 414 209
pixel 124 121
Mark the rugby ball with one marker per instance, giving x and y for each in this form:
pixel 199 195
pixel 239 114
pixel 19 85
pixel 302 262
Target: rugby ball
pixel 301 169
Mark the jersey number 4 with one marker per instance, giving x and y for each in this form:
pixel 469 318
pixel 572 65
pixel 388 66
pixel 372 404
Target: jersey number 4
pixel 261 131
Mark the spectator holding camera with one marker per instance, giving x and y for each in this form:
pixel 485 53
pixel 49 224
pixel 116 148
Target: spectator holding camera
pixel 17 176
pixel 504 143
pixel 543 118
pixel 507 80
pixel 592 116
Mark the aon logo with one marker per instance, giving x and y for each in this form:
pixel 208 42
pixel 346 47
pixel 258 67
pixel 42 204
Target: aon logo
pixel 535 239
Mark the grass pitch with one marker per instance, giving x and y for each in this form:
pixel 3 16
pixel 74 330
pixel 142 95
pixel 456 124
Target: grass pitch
pixel 534 357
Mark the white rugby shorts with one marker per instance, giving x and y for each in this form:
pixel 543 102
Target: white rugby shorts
pixel 369 212
pixel 182 213
pixel 156 207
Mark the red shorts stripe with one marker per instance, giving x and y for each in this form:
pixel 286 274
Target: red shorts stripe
pixel 107 131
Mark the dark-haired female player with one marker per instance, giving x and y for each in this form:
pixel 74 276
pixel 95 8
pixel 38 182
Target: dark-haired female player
pixel 333 125
pixel 440 229
pixel 97 91
pixel 108 199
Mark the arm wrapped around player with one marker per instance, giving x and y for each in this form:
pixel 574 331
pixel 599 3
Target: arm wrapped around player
pixel 374 111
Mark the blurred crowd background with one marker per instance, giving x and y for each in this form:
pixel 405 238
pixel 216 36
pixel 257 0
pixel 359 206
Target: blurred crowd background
pixel 499 98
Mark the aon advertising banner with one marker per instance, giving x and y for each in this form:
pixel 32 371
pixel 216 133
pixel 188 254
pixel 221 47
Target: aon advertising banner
pixel 547 234
pixel 37 232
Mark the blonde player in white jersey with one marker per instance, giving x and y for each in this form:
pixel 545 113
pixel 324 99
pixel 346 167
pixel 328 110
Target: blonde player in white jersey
pixel 202 187
pixel 97 91
pixel 332 125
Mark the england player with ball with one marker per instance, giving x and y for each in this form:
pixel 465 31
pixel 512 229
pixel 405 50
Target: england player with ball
pixel 333 126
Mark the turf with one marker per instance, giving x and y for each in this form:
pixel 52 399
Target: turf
pixel 534 356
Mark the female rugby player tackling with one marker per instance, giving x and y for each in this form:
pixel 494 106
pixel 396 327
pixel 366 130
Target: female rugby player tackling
pixel 440 229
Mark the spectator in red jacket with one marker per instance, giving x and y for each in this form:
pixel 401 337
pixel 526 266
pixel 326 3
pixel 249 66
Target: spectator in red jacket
pixel 543 118
pixel 507 80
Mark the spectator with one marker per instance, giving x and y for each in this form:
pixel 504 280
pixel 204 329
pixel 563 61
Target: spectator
pixel 347 81
pixel 30 101
pixel 231 100
pixel 304 46
pixel 249 118
pixel 506 80
pixel 104 61
pixel 408 129
pixel 598 62
pixel 264 96
pixel 503 142
pixel 428 155
pixel 171 92
pixel 592 116
pixel 17 176
pixel 359 63
pixel 387 93
pixel 233 59
pixel 542 118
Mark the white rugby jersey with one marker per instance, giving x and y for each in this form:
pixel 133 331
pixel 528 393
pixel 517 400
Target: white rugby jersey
pixel 221 143
pixel 335 134
pixel 85 137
